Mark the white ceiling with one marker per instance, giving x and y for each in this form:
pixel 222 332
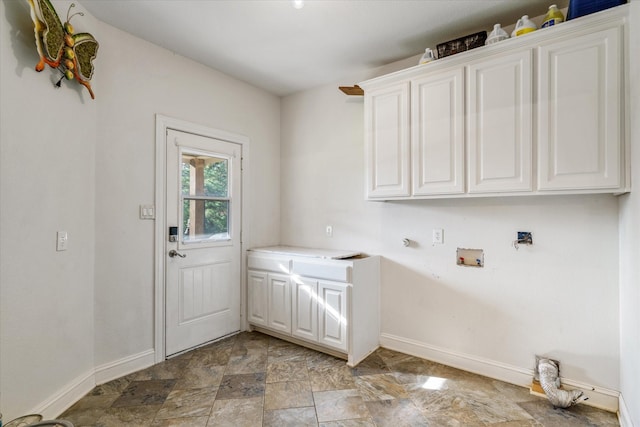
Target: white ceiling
pixel 272 45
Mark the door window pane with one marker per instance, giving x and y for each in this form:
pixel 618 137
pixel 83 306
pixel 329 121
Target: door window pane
pixel 204 176
pixel 206 204
pixel 205 220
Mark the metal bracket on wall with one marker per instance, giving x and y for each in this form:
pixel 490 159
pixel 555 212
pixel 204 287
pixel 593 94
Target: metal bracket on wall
pixel 523 238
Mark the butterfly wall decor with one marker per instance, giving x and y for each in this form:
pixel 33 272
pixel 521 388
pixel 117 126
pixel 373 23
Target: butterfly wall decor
pixel 58 46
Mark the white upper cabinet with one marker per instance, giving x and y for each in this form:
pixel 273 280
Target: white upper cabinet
pixel 387 141
pixel 500 123
pixel 437 133
pixel 542 113
pixel 579 104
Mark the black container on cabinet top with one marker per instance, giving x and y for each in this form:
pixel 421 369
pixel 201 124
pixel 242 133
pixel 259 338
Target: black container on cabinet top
pixel 462 44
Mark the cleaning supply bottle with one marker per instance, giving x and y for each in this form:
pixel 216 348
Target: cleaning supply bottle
pixel 428 56
pixel 498 34
pixel 518 24
pixel 524 26
pixel 553 17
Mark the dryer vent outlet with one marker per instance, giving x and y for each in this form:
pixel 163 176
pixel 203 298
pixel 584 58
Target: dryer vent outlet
pixel 548 371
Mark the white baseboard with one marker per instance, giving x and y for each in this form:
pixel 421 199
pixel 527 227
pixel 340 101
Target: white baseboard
pixel 623 414
pixel 125 366
pixel 599 397
pixel 78 388
pixel 67 396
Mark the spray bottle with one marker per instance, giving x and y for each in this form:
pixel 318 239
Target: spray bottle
pixel 428 56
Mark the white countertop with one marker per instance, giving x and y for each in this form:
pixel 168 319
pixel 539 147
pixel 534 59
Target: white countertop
pixel 307 252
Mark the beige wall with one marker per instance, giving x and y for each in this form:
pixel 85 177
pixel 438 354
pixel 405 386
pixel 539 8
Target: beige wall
pixel 156 81
pixel 70 163
pixel 558 297
pixel 47 183
pixel 629 247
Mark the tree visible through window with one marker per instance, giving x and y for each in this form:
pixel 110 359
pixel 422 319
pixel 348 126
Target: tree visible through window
pixel 205 198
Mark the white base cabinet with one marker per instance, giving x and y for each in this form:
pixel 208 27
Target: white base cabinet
pixel 331 305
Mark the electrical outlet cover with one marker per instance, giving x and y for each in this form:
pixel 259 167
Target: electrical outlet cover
pixel 329 231
pixel 62 240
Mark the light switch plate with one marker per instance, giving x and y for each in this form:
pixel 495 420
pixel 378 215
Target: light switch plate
pixel 147 212
pixel 62 240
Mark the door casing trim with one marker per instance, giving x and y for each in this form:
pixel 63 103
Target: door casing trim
pixel 163 123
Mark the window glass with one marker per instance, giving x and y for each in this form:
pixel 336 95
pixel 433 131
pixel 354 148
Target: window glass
pixel 204 176
pixel 205 198
pixel 205 219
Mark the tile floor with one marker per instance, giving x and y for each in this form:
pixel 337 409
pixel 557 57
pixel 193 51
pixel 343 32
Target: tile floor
pixel 254 380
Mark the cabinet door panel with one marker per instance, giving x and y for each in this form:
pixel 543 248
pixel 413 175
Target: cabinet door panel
pixel 257 295
pixel 437 133
pixel 305 309
pixel 500 124
pixel 579 113
pixel 279 302
pixel 387 142
pixel 333 314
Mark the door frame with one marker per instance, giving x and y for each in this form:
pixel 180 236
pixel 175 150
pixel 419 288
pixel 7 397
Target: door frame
pixel 163 123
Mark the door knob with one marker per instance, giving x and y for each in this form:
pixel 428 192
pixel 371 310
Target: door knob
pixel 173 253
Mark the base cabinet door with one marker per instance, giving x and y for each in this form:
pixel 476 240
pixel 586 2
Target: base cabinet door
pixel 579 124
pixel 332 312
pixel 258 297
pixel 305 309
pixel 279 296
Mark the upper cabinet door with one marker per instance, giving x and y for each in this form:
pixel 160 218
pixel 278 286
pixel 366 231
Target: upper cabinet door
pixel 500 124
pixel 387 141
pixel 437 133
pixel 579 127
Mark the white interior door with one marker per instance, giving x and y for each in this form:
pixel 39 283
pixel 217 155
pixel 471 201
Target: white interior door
pixel 203 217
